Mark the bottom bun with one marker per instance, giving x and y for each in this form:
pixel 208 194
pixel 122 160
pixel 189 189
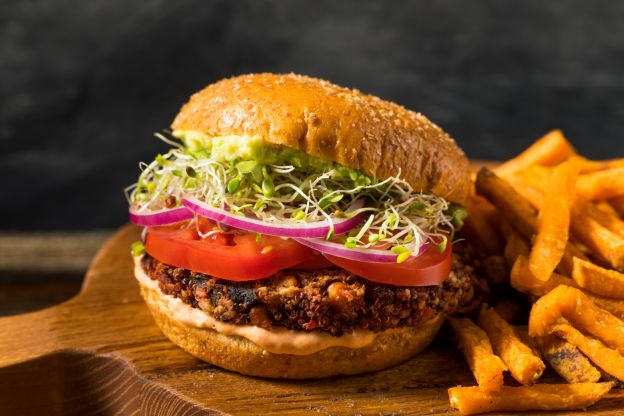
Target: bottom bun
pixel 238 354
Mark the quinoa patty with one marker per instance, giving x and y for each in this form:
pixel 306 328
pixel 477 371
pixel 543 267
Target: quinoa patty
pixel 329 299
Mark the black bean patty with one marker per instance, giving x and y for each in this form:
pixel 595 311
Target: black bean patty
pixel 329 299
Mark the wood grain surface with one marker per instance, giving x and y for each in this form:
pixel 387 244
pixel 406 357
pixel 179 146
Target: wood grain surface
pixel 101 353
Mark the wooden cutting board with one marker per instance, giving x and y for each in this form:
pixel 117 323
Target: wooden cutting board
pixel 101 353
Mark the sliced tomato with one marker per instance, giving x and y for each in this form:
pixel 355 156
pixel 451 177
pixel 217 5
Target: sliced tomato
pixel 239 257
pixel 316 261
pixel 430 268
pixel 234 257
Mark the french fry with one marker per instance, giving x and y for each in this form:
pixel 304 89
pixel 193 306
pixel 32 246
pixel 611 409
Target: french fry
pixel 618 204
pixel 553 222
pixel 506 229
pixel 551 149
pixel 597 280
pixel 515 246
pixel 608 245
pixel 479 227
pixel 603 184
pixel 566 265
pixel 536 177
pixel 474 343
pixel 523 333
pixel 604 214
pixel 522 279
pixel 614 306
pixel 516 209
pixel 572 304
pixel 474 400
pixel 608 217
pixel 523 365
pixel 606 358
pixel 606 208
pixel 589 166
pixel 495 270
pixel 533 185
pixel 556 210
pixel 567 360
pixel 534 195
pixel 507 310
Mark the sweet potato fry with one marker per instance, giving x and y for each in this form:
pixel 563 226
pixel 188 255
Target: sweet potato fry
pixel 534 195
pixel 589 166
pixel 608 217
pixel 474 400
pixel 479 227
pixel 571 303
pixel 567 360
pixel 618 204
pixel 603 184
pixel 606 358
pixel 535 176
pixel 516 209
pixel 553 221
pixel 533 185
pixel 523 333
pixel 614 306
pixel 507 310
pixel 608 245
pixel 495 270
pixel 522 279
pixel 523 365
pixel 566 265
pixel 505 228
pixel 515 246
pixel 474 343
pixel 598 280
pixel 551 149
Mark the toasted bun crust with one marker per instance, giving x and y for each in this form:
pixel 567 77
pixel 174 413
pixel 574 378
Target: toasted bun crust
pixel 333 123
pixel 241 355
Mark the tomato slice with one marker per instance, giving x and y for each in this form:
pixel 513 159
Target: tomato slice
pixel 239 257
pixel 430 268
pixel 316 261
pixel 236 257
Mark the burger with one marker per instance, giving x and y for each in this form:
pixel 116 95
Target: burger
pixel 298 229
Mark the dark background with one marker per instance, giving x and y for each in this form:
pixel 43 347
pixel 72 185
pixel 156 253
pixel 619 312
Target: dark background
pixel 84 84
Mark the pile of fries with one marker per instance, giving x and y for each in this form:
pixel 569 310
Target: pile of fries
pixel 549 223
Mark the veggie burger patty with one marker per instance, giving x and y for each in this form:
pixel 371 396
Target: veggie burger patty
pixel 329 299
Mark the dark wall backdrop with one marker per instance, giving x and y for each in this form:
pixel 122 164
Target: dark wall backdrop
pixel 84 84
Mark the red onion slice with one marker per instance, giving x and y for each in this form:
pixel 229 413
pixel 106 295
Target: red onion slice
pixel 317 229
pixel 162 217
pixel 357 253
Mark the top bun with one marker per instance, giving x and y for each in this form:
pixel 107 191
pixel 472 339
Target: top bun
pixel 333 123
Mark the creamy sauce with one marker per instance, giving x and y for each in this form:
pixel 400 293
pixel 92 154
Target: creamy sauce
pixel 277 340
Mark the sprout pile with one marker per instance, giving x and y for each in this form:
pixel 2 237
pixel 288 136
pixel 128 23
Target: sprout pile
pixel 396 216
